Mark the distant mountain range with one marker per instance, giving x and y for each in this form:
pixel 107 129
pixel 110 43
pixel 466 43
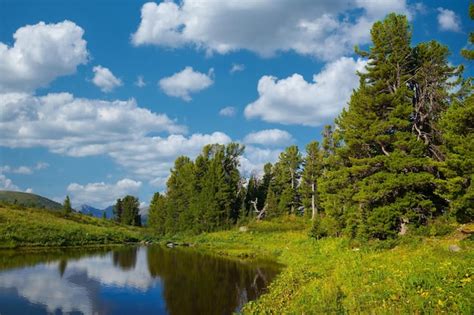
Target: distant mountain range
pixel 28 200
pixel 98 213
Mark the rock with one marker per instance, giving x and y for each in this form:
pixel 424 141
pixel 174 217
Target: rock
pixel 243 229
pixel 171 245
pixel 454 248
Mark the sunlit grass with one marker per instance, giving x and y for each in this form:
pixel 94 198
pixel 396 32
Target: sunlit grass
pixel 337 276
pixel 20 226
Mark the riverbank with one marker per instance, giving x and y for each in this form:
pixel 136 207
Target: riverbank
pixel 334 275
pixel 30 227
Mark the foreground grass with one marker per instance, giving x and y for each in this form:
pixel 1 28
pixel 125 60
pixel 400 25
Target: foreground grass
pixel 331 276
pixel 20 227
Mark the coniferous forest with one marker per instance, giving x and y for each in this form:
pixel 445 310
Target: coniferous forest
pixel 400 154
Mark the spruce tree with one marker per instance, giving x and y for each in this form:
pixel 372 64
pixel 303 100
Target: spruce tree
pixel 466 52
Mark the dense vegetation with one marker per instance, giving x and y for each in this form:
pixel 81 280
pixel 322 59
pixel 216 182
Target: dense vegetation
pixel 127 211
pixel 400 155
pixel 21 226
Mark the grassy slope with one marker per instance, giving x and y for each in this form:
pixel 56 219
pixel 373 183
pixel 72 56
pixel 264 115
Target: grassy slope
pixel 29 200
pixel 328 276
pixel 21 226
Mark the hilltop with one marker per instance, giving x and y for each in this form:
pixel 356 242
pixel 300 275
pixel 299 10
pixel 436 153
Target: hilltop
pixel 28 200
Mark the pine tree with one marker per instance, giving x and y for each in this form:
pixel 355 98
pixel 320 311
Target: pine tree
pixel 131 211
pixel 287 173
pixel 118 210
pixel 157 213
pixel 67 205
pixel 386 171
pixel 312 171
pixel 180 190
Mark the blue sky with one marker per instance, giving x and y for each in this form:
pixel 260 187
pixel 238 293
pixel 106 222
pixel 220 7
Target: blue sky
pixel 74 120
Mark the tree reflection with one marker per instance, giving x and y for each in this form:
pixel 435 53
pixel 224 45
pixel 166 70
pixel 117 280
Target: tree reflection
pixel 125 258
pixel 200 284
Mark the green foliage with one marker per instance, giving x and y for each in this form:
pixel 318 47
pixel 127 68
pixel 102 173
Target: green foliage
pixel 130 211
pixel 469 53
pixel 67 206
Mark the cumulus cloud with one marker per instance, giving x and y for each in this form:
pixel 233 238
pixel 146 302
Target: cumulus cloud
pixel 75 126
pixel 40 53
pixel 448 20
pixel 269 137
pixel 293 100
pixel 237 68
pixel 228 111
pixel 188 81
pixel 84 127
pixel 317 28
pixel 102 194
pixel 105 79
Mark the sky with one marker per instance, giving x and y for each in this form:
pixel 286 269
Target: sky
pixel 98 98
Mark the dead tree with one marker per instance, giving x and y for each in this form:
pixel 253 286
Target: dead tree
pixel 260 213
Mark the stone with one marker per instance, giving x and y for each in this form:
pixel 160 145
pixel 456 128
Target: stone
pixel 454 248
pixel 243 229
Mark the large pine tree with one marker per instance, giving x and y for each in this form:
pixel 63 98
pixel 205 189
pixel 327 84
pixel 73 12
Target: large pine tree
pixel 389 136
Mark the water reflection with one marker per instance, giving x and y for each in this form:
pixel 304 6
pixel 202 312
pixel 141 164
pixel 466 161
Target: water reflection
pixel 128 280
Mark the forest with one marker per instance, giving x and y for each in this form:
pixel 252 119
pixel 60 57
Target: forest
pixel 400 155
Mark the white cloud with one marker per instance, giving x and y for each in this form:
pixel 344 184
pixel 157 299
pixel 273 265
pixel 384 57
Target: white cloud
pixel 83 127
pixel 41 165
pixel 237 68
pixel 140 81
pixel 228 111
pixel 269 137
pixel 105 79
pixel 295 101
pixel 24 170
pixel 188 81
pixel 255 158
pixel 41 53
pixel 318 28
pixel 448 20
pixel 102 194
pixel 7 184
pixel 75 126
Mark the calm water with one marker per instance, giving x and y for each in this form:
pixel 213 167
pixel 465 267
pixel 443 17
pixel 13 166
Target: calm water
pixel 131 280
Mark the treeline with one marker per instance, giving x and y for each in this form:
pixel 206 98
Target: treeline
pixel 401 152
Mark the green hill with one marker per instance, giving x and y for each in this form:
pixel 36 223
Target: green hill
pixel 21 226
pixel 28 200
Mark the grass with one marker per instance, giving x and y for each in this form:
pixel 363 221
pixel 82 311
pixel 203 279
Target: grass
pixel 31 227
pixel 336 276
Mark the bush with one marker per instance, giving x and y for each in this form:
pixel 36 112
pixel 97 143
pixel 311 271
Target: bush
pixel 324 226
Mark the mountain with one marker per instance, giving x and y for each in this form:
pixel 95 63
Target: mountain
pixel 28 200
pixel 98 213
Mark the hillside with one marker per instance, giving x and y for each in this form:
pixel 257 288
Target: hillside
pixel 28 200
pixel 20 226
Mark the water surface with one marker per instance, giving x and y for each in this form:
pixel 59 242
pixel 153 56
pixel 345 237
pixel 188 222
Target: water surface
pixel 129 280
